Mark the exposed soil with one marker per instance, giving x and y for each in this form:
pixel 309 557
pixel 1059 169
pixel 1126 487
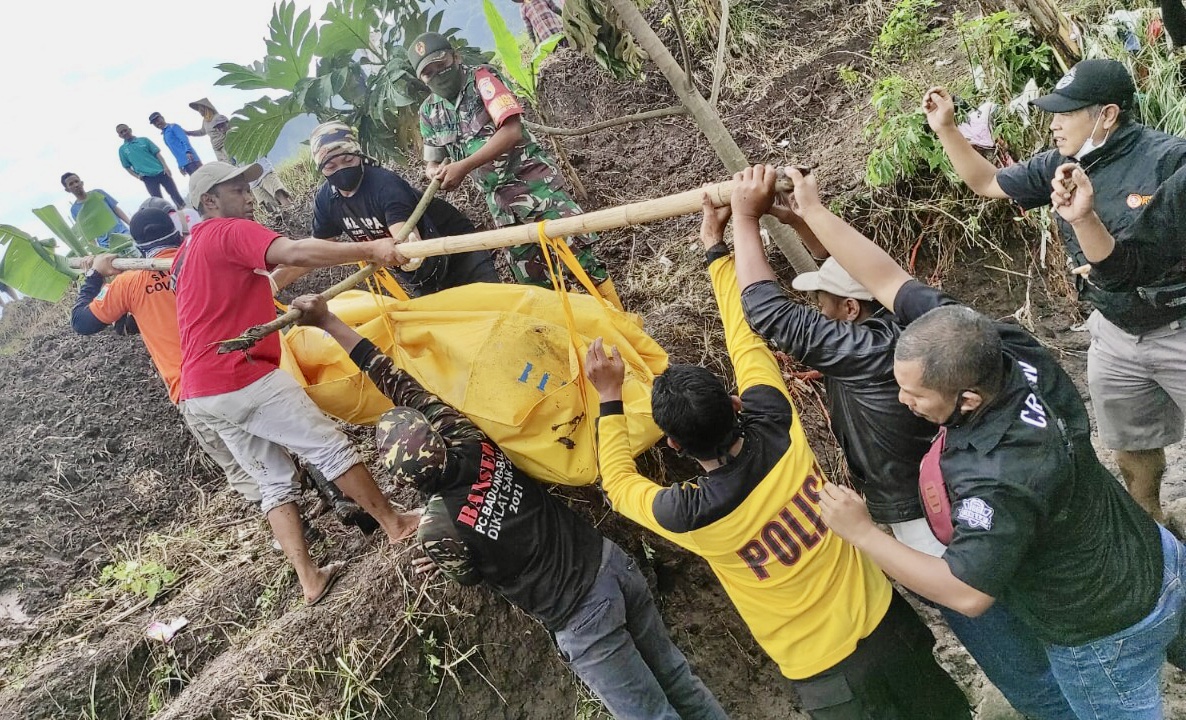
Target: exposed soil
pixel 97 467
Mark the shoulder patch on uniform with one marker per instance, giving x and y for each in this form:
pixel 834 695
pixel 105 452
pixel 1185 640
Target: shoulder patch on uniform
pixel 102 293
pixel 975 513
pixel 486 87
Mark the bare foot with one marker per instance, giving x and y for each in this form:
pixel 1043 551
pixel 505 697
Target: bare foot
pixel 405 525
pixel 326 577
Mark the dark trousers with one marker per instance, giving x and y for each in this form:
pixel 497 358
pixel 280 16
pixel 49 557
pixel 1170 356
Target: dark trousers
pixel 191 168
pixel 892 675
pixel 154 183
pixel 449 271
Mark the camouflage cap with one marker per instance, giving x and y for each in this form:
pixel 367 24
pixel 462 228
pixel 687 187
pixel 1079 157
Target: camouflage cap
pixel 412 451
pixel 330 139
pixel 428 48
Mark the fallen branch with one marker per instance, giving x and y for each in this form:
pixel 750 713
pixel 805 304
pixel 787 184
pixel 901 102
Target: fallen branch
pixel 605 124
pixel 683 42
pixel 718 69
pixel 131 263
pixel 253 335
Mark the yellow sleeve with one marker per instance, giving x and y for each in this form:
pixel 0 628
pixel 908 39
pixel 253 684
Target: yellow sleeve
pixel 630 494
pixel 753 362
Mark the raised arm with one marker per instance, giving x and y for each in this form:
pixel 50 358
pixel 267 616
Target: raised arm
pixel 972 167
pixel 861 257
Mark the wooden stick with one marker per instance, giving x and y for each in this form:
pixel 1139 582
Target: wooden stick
pixel 605 124
pixel 131 263
pixel 253 335
pixel 621 216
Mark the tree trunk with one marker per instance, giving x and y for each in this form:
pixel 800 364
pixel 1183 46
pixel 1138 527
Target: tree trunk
pixel 709 122
pixel 1053 27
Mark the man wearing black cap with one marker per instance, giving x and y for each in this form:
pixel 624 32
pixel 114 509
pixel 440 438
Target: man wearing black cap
pixel 1136 367
pixel 487 521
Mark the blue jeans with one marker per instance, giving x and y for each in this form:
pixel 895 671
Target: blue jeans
pixel 1118 677
pixel 1014 659
pixel 615 641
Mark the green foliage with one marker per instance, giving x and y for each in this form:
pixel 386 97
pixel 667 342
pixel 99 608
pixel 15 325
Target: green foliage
pixel 525 76
pixel 62 230
pixel 1008 56
pixel 30 265
pixel 906 30
pixel 849 75
pixel 352 67
pixel 299 174
pixel 1161 88
pixel 903 144
pixel 138 577
pixel 751 23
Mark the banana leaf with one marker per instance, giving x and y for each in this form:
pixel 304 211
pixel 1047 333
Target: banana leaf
pixel 95 219
pixel 61 229
pixel 32 269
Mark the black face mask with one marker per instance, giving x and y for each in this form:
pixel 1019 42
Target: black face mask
pixel 347 179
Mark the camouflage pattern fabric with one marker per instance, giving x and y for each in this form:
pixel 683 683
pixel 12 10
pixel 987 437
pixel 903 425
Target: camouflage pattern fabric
pixel 412 452
pixel 521 187
pixel 330 139
pixel 442 544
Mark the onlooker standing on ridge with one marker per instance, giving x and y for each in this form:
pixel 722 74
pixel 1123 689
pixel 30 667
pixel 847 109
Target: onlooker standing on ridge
pixel 269 190
pixel 142 159
pixel 215 126
pixel 487 521
pixel 178 144
pixel 542 19
pixel 259 410
pixel 474 121
pixel 1136 366
pixel 73 185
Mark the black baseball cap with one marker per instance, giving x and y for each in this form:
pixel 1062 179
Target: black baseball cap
pixel 1090 82
pixel 428 48
pixel 153 117
pixel 152 231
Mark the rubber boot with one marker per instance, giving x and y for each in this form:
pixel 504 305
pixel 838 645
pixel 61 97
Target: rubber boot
pixel 606 288
pixel 347 511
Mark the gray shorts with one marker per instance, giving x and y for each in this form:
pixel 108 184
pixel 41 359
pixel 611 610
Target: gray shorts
pixel 261 423
pixel 1137 384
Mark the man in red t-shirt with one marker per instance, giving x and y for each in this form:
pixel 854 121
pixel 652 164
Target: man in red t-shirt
pixel 261 412
pixel 147 295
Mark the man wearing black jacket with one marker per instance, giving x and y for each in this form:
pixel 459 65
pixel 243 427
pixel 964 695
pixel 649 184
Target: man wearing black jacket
pixel 486 520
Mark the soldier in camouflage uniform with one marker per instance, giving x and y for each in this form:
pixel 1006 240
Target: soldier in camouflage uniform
pixel 474 121
pixel 487 521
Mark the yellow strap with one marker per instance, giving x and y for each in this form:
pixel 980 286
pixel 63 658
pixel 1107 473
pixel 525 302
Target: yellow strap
pixel 385 280
pixel 280 306
pixel 547 245
pixel 566 255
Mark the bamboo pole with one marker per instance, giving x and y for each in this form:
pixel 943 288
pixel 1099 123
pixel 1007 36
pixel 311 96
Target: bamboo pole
pixel 131 263
pixel 252 335
pixel 662 208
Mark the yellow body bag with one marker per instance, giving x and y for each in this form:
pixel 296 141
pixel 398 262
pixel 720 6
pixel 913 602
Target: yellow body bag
pixel 502 355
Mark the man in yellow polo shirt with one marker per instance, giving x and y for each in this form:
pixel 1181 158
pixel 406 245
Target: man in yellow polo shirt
pixel 850 646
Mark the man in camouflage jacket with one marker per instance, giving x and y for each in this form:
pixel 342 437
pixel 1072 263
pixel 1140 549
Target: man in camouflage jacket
pixel 475 122
pixel 486 520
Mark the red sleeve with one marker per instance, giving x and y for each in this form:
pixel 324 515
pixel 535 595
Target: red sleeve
pixel 246 244
pixel 112 301
pixel 500 102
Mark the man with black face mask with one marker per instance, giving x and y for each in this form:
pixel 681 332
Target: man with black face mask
pixel 473 120
pixel 362 201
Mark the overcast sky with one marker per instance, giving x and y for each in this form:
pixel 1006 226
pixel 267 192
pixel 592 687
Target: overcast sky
pixel 74 69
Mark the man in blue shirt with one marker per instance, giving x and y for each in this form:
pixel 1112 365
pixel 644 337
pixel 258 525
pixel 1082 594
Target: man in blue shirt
pixel 142 159
pixel 73 185
pixel 178 144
